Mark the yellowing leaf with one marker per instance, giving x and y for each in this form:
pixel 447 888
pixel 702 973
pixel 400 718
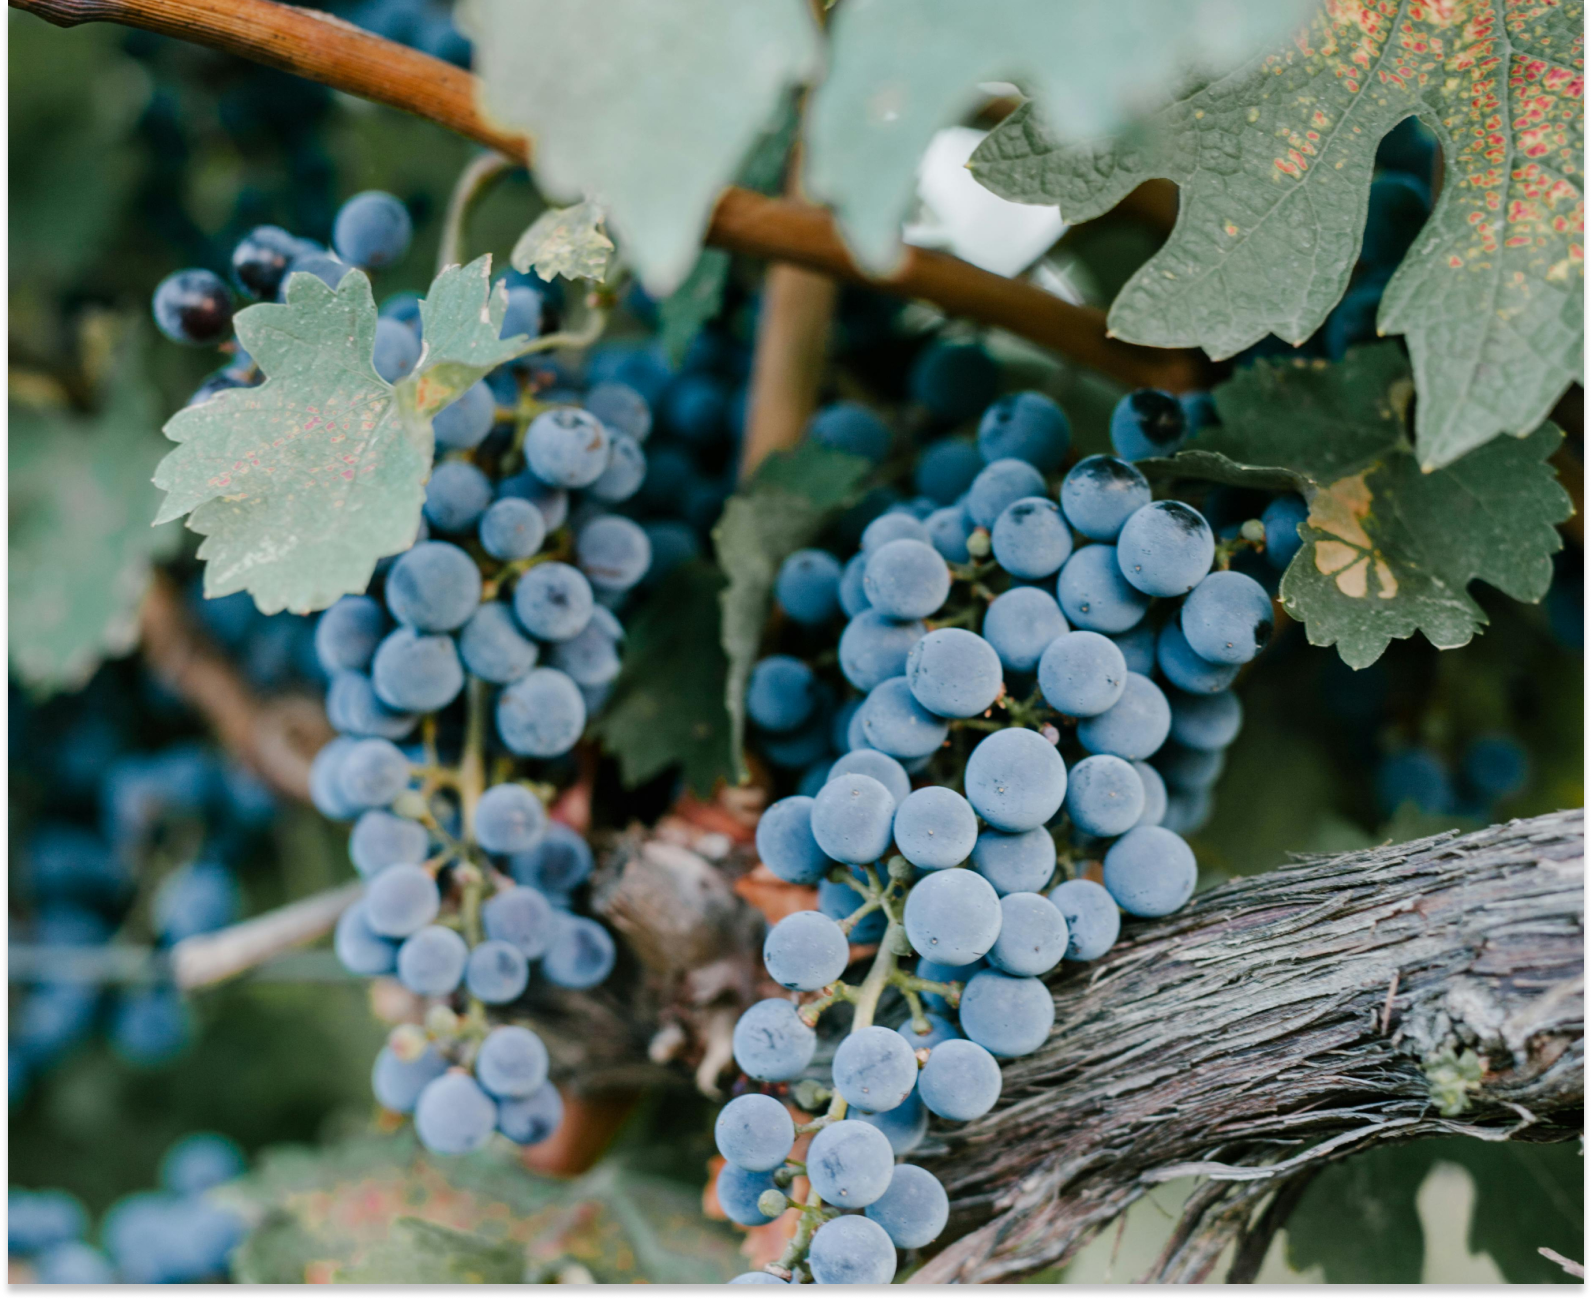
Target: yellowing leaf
pixel 565 241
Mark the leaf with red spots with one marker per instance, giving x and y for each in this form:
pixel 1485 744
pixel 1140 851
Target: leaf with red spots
pixel 301 484
pixel 1275 162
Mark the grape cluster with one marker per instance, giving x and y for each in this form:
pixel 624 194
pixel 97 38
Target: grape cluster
pixel 174 1234
pixel 1007 615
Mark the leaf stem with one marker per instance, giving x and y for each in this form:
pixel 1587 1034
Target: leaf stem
pixel 473 183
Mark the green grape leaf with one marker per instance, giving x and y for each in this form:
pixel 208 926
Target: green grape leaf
pixel 1528 1195
pixel 81 545
pixel 301 484
pixel 667 708
pixel 1274 162
pixel 565 241
pixel 900 70
pixel 684 312
pixel 655 150
pixel 782 510
pixel 1389 550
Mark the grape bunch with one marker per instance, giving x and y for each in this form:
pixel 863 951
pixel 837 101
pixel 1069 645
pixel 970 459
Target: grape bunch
pixel 1005 618
pixel 174 1234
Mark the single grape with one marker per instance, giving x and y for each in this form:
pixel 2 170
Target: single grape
pixel 71 1263
pixel 914 1209
pixel 1138 648
pixel 372 229
pixel 1206 721
pixel 781 693
pixel 542 715
pixel 874 1068
pixel 1007 1015
pixel 567 447
pixel 382 839
pixel 1186 670
pixel 838 900
pixel 522 917
pixel 396 350
pixel 1154 794
pixel 1146 423
pixel 874 647
pixel 512 1062
pixel 935 827
pixel 457 494
pixel 955 381
pixel 373 773
pixel 954 673
pixel 805 951
pixel 1165 548
pixel 892 526
pixel 1415 776
pixel 463 424
pixel 1093 921
pixel 1496 767
pixel 35 1221
pixel 1282 519
pixel 1095 596
pixel 1150 871
pixel 433 587
pixel 523 312
pixel 1186 770
pixel 852 1251
pixel 553 601
pixel 947 469
pixel 948 534
pixel 738 1191
pixel 755 1132
pixel 960 1080
pixel 771 1042
pixel 558 865
pixel 1082 674
pixel 492 645
pixel 613 552
pixel 755 1279
pixel 454 1116
pixel 360 950
pixel 193 307
pixel 195 899
pixel 1105 796
pixel 581 955
pixel 531 1120
pixel 626 472
pixel 1019 624
pixel 1100 493
pixel 869 762
pixel 851 428
pixel 696 406
pixel 553 502
pixel 354 708
pixel 1015 779
pixel 906 579
pixel 953 916
pixel 1187 811
pixel 509 819
pixel 849 1162
pixel 347 634
pixel 1132 728
pixel 621 408
pixel 892 720
pixel 1227 618
pixel 1013 864
pixel 497 972
pixel 852 819
pixel 1025 426
pixel 591 656
pixel 1033 936
pixel 329 270
pixel 1030 538
pixel 785 841
pixel 431 961
pixel 260 260
pixel 904 1128
pixel 998 485
pixel 808 587
pixel 400 901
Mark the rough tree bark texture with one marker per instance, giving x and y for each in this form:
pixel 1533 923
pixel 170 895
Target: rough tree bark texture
pixel 1278 1022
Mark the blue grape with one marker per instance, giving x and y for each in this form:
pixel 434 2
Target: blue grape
pixel 193 307
pixel 1019 624
pixel 195 899
pixel 347 634
pixel 960 1080
pixel 431 961
pixel 1134 727
pixel 866 762
pixel 509 819
pixel 433 587
pixel 71 1263
pixel 360 950
pixel 906 579
pixel 955 381
pixel 1015 779
pixel 1227 618
pixel 874 647
pixel 553 601
pixel 1415 776
pixel 785 842
pixel 50 1019
pixel 805 951
pixel 454 1116
pixel 329 270
pixel 1206 721
pixel 1082 674
pixel 1138 648
pixel 1199 409
pixel 935 827
pixel 853 598
pixel 531 1120
pixel 851 1251
pixel 738 1191
pixel 493 647
pixel 1165 548
pixel 771 1042
pixel 512 529
pixel 947 529
pixel 696 407
pixel 613 552
pixel 403 308
pixel 874 1068
pixel 947 469
pixel 1099 495
pixel 512 1062
pixel 464 423
pixel 1148 422
pixel 1150 871
pixel 542 715
pixel 954 673
pixel 372 229
pixel 852 428
pixel 591 657
pixel 396 351
pixel 1093 921
pixel 673 543
pixel 953 916
pixel 353 707
pixel 456 496
pixel 497 973
pixel 1020 863
pixel 904 1128
pixel 940 1029
pixel 381 839
pixel 893 721
pixel 398 1083
pixel 758 1278
pixel 373 773
pixel 553 502
pixel 914 1209
pixel 1187 770
pixel 621 408
pixel 1005 1014
pixel 755 1132
pixel 852 819
pixel 1154 794
pixel 1187 810
pixel 1496 767
pixel 1105 796
pixel 1095 596
pixel 567 447
pixel 35 1221
pixel 781 693
pixel 893 526
pixel 261 258
pixel 816 777
pixel 151 1027
pixel 1025 426
pixel 838 900
pixel 1186 670
pixel 522 314
pixel 521 917
pixel 1030 538
pixel 808 587
pixel 849 1162
pixel 558 865
pixel 1282 519
pixel 626 472
pixel 1033 935
pixel 581 955
pixel 998 485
